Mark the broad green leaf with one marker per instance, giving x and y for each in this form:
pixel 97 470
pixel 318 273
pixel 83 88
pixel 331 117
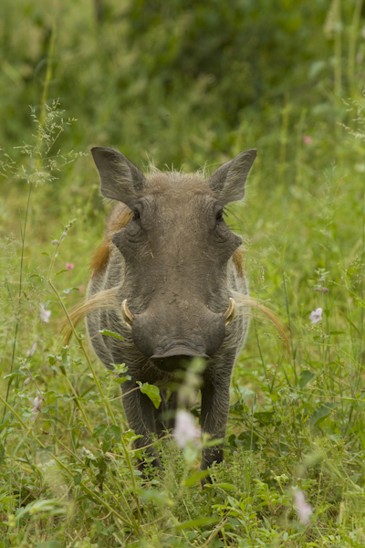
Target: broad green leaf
pixel 305 377
pixel 196 477
pixel 321 413
pixel 152 391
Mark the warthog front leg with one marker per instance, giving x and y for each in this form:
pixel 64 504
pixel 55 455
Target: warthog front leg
pixel 214 414
pixel 141 417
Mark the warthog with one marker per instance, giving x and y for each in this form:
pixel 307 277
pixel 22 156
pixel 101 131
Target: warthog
pixel 173 267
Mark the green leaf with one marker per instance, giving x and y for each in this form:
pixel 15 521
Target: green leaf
pixel 321 413
pixel 50 544
pixel 107 435
pixel 225 486
pixel 108 333
pixel 51 507
pixel 264 417
pixel 122 380
pixel 152 391
pixel 197 523
pixel 305 377
pixel 160 498
pixel 2 453
pixel 196 477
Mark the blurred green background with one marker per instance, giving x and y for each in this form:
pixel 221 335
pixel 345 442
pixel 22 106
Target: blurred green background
pixel 179 81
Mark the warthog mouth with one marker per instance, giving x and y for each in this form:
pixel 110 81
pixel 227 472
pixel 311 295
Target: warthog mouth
pixel 178 351
pixel 229 314
pixel 176 358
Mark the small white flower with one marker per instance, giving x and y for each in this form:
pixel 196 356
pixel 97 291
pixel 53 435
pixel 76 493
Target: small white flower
pixel 32 350
pixel 185 430
pixel 316 315
pixel 303 508
pixel 44 314
pixel 37 405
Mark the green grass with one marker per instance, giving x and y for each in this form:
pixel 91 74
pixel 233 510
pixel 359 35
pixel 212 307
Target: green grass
pixel 296 424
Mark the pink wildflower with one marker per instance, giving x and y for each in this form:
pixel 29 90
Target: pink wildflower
pixel 185 430
pixel 44 314
pixel 303 509
pixel 70 266
pixel 316 315
pixel 37 406
pixel 32 350
pixel 307 140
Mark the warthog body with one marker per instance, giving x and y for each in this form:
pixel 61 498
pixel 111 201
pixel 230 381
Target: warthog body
pixel 175 266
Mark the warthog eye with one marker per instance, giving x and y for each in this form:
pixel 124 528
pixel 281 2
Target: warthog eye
pixel 219 215
pixel 136 214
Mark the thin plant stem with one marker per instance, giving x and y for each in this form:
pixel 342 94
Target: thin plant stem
pixel 78 401
pixel 48 77
pixel 289 327
pixel 362 289
pixel 19 301
pixel 353 38
pixel 338 50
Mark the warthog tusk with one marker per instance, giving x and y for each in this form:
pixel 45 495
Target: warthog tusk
pixel 128 317
pixel 230 312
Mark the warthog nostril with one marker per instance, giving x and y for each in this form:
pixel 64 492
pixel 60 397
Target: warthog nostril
pixel 127 315
pixel 230 312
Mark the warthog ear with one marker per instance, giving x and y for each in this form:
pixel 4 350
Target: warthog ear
pixel 228 182
pixel 120 179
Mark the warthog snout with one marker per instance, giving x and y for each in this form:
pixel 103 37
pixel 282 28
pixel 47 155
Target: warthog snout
pixel 151 347
pixel 191 333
